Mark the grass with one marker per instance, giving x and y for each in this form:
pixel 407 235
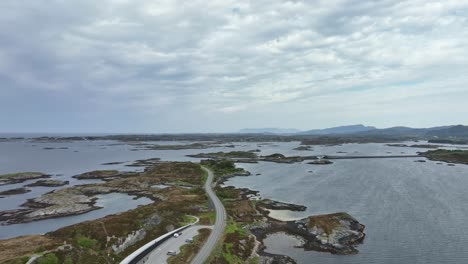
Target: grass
pixel 86 242
pixel 90 238
pixel 50 258
pixel 221 167
pixel 327 222
pixel 207 218
pixel 20 174
pixel 236 247
pixel 452 156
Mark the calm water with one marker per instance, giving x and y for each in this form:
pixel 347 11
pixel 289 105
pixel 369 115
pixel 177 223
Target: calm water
pixel 77 158
pixel 413 212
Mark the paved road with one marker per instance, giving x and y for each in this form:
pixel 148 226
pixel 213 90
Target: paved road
pixel 219 226
pixel 159 254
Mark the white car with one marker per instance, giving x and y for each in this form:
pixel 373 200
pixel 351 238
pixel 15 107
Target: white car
pixel 176 235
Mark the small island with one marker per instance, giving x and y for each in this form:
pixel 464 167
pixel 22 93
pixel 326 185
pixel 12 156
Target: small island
pixel 449 156
pixel 20 177
pixel 48 183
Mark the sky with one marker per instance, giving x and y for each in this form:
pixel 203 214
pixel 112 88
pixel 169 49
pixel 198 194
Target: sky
pixel 140 66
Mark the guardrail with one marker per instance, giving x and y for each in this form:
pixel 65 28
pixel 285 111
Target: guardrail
pixel 140 254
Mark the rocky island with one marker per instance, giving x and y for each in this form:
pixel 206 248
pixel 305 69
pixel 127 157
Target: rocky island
pixel 337 233
pixel 113 237
pixel 48 183
pixel 15 191
pixel 252 157
pixel 320 162
pixel 449 156
pixel 19 177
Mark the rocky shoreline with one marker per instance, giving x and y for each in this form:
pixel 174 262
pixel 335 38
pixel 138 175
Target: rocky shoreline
pixel 20 177
pixel 337 233
pixel 15 191
pixel 448 156
pixel 252 157
pixel 48 183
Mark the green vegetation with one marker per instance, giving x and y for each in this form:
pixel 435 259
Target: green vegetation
pixel 49 258
pixel 21 260
pixel 68 260
pixel 207 218
pixel 222 167
pixel 237 245
pixel 20 175
pixel 451 156
pixel 327 222
pixel 188 251
pixel 86 242
pixel 90 239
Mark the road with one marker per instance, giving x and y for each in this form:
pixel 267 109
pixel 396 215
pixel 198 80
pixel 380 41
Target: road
pixel 220 223
pixel 159 254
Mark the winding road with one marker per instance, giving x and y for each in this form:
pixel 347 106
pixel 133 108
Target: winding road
pixel 159 254
pixel 220 223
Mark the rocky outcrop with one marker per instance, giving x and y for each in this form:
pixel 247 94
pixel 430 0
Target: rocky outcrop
pixel 303 148
pixel 280 158
pixel 15 191
pixel 275 205
pixel 106 175
pixel 337 233
pixel 320 162
pixel 267 258
pixel 57 203
pixel 19 177
pixel 48 183
pixel 144 163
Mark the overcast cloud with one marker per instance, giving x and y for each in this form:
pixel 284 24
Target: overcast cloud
pixel 185 66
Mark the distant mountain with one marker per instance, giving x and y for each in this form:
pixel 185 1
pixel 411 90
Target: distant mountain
pixel 339 130
pixel 269 131
pixel 452 131
pixel 361 130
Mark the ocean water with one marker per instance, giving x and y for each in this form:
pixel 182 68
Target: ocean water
pixel 413 212
pixel 67 159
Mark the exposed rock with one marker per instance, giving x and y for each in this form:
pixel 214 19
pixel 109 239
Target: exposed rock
pixel 337 233
pixel 103 175
pixel 13 178
pixel 267 258
pixel 144 163
pixel 15 191
pixel 48 183
pixel 275 205
pixel 113 163
pixel 57 203
pixel 449 156
pixel 280 158
pixel 320 162
pixel 303 148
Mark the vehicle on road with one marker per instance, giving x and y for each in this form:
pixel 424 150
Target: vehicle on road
pixel 171 253
pixel 177 234
pixel 188 240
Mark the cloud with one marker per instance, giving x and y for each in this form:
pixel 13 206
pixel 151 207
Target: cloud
pixel 235 63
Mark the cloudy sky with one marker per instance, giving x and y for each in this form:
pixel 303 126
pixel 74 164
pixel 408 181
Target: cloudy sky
pixel 215 66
